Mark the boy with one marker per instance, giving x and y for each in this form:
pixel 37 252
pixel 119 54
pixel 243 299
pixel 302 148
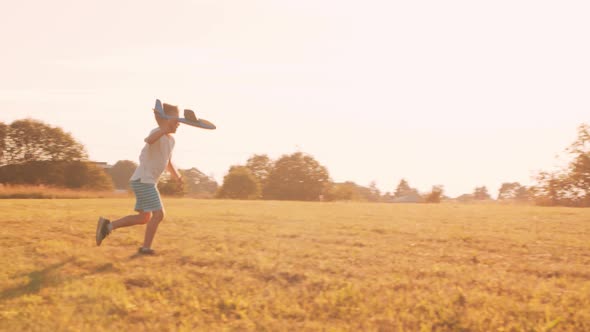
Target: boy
pixel 154 159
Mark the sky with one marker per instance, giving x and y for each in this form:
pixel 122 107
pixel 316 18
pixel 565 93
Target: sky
pixel 454 93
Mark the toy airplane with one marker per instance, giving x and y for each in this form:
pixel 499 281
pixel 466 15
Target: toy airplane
pixel 189 117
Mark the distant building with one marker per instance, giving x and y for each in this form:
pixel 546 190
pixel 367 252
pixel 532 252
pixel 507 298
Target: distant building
pixel 465 198
pixel 412 197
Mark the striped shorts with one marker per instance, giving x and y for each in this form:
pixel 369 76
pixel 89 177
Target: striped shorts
pixel 147 196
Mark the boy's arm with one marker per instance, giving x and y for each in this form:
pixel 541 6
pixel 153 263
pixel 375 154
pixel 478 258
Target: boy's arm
pixel 172 169
pixel 155 136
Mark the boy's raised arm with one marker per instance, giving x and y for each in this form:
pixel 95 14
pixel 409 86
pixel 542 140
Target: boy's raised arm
pixel 155 136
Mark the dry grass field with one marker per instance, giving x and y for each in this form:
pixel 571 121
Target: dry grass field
pixel 48 192
pixel 291 266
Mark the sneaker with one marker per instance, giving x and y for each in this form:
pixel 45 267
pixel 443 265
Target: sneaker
pixel 146 251
pixel 102 230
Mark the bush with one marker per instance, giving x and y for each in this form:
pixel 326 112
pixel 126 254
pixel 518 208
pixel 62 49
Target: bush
pixel 296 177
pixel 68 174
pixel 239 183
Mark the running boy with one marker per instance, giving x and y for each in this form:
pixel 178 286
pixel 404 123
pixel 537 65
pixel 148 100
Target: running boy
pixel 154 159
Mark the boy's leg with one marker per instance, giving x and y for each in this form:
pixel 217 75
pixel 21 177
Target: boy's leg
pixel 105 227
pixel 137 219
pixel 152 227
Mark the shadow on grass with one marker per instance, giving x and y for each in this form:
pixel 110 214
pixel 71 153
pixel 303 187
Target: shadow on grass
pixel 47 278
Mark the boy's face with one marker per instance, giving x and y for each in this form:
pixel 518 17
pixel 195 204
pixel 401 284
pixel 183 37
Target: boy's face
pixel 172 124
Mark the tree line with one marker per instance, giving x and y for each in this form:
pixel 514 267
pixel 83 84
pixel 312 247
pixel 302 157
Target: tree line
pixel 292 177
pixel 35 153
pixel 300 177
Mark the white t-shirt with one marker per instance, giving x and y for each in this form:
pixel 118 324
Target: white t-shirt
pixel 153 159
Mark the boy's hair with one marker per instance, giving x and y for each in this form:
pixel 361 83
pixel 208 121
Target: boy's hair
pixel 168 110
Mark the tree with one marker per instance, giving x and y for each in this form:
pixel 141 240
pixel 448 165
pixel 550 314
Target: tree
pixel 3 133
pixel 481 193
pixel 32 140
pixel 239 183
pixel 579 168
pixel 199 184
pixel 508 190
pixel 260 166
pixel 552 189
pixel 296 177
pixel 121 172
pixel 169 186
pixel 403 189
pixel 83 175
pixel 435 195
pixel 350 191
pixel 570 186
pixel 523 194
pixel 513 191
pixel 342 192
pixel 374 192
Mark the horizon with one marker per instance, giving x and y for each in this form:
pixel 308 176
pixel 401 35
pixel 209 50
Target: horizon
pixel 457 94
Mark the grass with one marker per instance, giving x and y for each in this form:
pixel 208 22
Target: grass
pixel 275 266
pixel 48 192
